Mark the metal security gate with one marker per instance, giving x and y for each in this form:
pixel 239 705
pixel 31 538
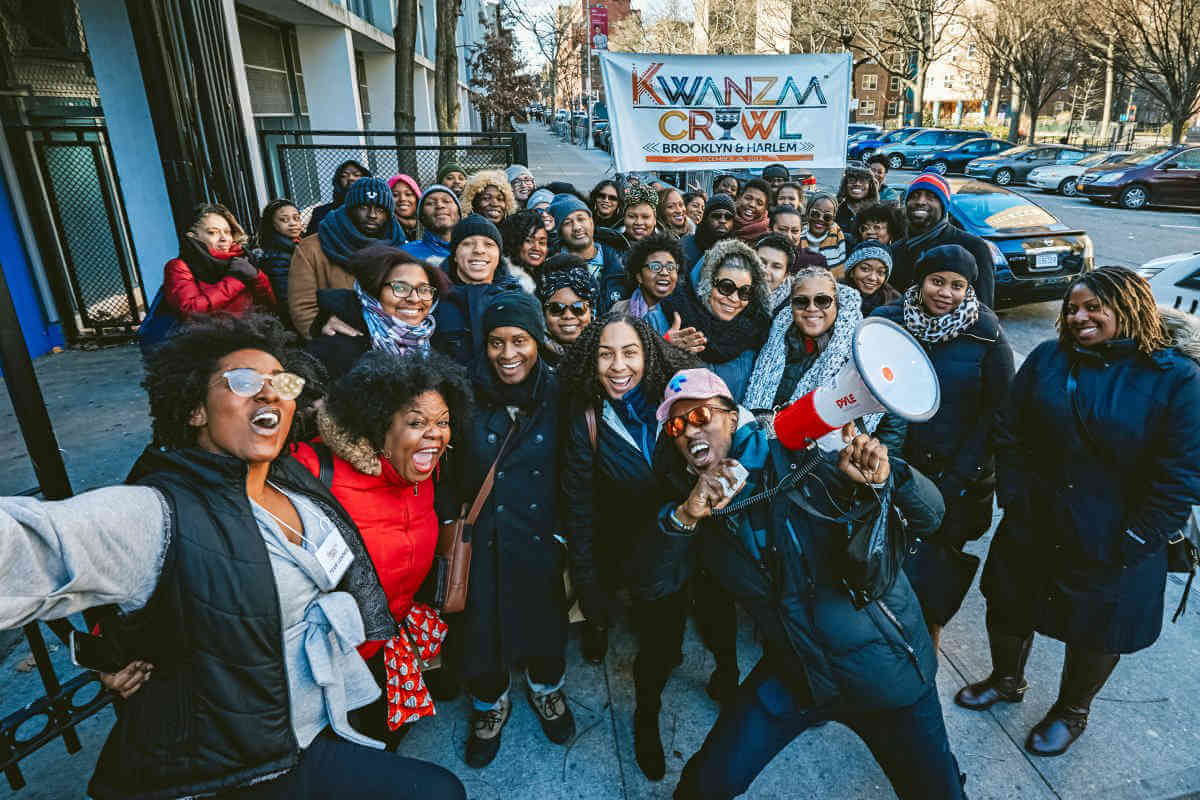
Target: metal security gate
pixel 72 189
pixel 300 164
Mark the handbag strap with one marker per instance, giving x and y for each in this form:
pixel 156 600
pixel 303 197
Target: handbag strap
pixel 486 488
pixel 590 416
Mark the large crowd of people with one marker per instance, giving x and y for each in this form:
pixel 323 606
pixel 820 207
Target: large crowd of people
pixel 586 385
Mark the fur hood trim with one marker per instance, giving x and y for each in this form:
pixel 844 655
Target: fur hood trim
pixel 717 255
pixel 482 179
pixel 521 275
pixel 1184 329
pixel 358 453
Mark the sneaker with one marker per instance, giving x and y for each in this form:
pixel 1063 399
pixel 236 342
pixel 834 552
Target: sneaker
pixel 557 720
pixel 486 726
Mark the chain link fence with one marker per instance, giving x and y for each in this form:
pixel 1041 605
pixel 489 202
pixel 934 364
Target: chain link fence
pixel 301 164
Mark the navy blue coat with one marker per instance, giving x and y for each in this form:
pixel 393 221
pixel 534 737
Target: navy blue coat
pixel 613 282
pixel 975 370
pixel 516 604
pixel 1081 553
pixel 459 316
pixel 870 659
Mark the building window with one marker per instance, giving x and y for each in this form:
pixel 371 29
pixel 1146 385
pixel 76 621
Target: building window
pixel 866 109
pixel 870 83
pixel 273 74
pixel 893 108
pixel 970 51
pixel 364 103
pixel 948 83
pixel 1058 106
pixel 894 83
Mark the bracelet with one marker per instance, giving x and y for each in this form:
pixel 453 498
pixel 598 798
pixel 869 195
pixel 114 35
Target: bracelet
pixel 678 523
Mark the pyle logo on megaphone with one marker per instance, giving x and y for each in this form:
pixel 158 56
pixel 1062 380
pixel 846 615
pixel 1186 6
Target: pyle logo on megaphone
pixel 890 371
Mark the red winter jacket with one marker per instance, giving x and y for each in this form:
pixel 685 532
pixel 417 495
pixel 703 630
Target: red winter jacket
pixel 189 296
pixel 396 519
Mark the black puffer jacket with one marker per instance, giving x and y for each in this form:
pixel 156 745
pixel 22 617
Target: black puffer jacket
pixel 1081 553
pixel 879 657
pixel 216 715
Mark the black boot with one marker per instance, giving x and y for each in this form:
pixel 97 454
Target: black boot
pixel 1007 681
pixel 1084 675
pixel 647 743
pixel 594 643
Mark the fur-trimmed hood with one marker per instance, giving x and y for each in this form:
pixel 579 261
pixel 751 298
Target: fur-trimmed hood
pixel 717 255
pixel 1184 329
pixel 358 453
pixel 488 177
pixel 522 276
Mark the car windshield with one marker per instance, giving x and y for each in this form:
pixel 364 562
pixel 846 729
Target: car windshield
pixel 983 206
pixel 1142 157
pixel 1092 160
pixel 1016 151
pixel 898 136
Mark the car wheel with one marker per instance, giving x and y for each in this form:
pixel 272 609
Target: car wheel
pixel 895 161
pixel 866 154
pixel 940 167
pixel 1134 197
pixel 1067 188
pixel 1004 177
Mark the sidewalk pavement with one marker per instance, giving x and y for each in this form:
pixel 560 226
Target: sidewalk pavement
pixel 1143 742
pixel 554 160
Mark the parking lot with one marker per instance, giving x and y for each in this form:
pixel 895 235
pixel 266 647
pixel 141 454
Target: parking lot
pixel 1126 238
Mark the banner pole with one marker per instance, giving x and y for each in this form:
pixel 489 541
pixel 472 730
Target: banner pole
pixel 587 98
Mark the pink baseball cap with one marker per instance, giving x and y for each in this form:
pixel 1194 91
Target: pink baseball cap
pixel 692 384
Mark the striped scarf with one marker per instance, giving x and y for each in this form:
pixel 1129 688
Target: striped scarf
pixel 390 334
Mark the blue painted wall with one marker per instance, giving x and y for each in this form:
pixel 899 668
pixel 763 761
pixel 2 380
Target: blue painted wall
pixel 40 335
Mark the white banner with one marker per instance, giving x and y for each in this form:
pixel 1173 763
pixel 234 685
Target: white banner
pixel 727 112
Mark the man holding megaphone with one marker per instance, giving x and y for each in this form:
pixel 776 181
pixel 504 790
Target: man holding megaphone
pixel 769 517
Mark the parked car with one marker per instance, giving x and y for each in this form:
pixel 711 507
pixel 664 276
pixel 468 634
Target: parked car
pixel 600 133
pixel 1013 165
pixel 1164 176
pixel 906 153
pixel 954 159
pixel 1175 280
pixel 859 127
pixel 1061 177
pixel 866 148
pixel 1035 255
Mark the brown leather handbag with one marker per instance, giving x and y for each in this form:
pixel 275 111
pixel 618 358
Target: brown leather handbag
pixel 452 559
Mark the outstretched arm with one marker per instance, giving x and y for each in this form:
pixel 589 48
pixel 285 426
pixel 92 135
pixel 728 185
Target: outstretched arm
pixel 58 558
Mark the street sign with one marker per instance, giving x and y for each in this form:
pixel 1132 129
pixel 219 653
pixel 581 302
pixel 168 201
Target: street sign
pixel 687 112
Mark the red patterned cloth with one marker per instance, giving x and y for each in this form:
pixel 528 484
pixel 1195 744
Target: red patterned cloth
pixel 408 698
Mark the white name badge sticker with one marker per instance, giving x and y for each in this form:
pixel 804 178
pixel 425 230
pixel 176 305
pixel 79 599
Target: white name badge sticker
pixel 334 556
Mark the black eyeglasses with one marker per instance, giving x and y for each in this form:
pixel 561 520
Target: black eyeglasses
pixel 728 289
pixel 662 266
pixel 578 308
pixel 821 301
pixel 720 215
pixel 403 289
pixel 817 215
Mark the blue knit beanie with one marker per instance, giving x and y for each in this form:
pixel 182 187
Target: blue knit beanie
pixel 437 187
pixel 370 191
pixel 564 205
pixel 868 249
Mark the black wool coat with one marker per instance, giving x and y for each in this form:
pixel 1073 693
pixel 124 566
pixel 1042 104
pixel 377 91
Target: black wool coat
pixel 905 256
pixel 516 604
pixel 1081 553
pixel 339 352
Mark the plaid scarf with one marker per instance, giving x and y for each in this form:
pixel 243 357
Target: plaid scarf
pixel 930 329
pixel 389 333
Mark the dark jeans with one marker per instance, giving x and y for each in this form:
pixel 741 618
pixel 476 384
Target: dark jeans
pixel 660 626
pixel 333 768
pixel 768 713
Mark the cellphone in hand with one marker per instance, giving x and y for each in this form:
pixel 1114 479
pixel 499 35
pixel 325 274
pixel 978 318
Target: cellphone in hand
pixel 96 652
pixel 740 474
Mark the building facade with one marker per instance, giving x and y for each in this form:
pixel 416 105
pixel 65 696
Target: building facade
pixel 120 115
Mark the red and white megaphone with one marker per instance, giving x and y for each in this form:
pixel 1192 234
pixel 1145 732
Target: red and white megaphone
pixel 890 371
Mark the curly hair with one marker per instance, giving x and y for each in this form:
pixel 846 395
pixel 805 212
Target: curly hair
pixel 854 170
pixel 483 179
pixel 370 267
pixel 364 400
pixel 1129 297
pixel 654 243
pixel 758 184
pixel 515 230
pixel 661 360
pixel 180 370
pixel 779 242
pixel 887 213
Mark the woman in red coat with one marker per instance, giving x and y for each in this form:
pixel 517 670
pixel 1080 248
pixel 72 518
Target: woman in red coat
pixel 212 272
pixel 384 427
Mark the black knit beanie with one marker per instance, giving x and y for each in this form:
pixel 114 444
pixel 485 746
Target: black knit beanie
pixel 474 225
pixel 517 309
pixel 719 200
pixel 947 258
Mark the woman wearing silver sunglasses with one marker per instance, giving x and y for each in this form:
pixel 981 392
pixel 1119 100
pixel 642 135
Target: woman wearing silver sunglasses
pixel 238 577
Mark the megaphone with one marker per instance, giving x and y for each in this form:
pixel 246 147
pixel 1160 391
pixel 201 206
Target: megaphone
pixel 889 371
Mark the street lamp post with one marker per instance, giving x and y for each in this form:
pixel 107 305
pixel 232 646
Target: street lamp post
pixel 587 89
